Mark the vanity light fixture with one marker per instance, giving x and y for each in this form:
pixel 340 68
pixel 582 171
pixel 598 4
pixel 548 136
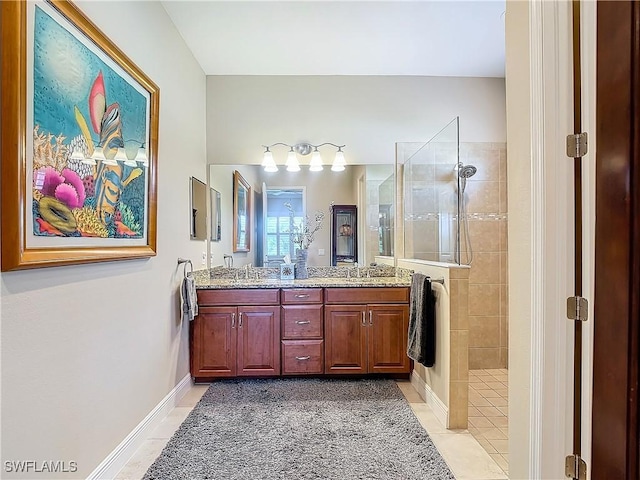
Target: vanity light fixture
pixel 120 156
pixel 292 163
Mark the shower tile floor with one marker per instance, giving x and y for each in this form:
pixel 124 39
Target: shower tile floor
pixel 488 412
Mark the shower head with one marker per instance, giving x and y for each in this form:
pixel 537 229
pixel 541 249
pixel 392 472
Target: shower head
pixel 466 171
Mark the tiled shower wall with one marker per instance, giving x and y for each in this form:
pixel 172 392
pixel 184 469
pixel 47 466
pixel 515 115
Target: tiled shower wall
pixel 486 194
pixel 430 203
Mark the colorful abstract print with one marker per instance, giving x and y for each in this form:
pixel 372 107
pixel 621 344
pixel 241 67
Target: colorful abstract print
pixel 72 197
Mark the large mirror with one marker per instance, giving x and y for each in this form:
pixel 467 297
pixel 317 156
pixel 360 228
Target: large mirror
pixel 241 214
pixel 198 204
pixel 216 219
pixel 371 187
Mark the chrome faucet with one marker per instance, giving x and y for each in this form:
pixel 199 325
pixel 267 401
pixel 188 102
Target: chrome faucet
pixel 357 265
pixel 246 271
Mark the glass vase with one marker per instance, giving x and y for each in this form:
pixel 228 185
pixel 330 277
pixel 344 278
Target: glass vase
pixel 301 263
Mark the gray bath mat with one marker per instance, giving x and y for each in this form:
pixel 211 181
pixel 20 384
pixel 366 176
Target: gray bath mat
pixel 300 429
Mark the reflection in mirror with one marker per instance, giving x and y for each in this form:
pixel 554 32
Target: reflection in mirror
pixel 385 216
pixel 320 189
pixel 241 214
pixel 380 212
pixel 198 203
pixel 280 221
pixel 216 229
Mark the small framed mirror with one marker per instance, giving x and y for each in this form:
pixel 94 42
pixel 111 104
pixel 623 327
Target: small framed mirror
pixel 241 214
pixel 216 229
pixel 198 197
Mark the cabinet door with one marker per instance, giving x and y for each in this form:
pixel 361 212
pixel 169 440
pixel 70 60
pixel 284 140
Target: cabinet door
pixel 388 325
pixel 213 352
pixel 345 334
pixel 258 341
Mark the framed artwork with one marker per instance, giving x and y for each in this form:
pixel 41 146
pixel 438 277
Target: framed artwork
pixel 79 131
pixel 241 213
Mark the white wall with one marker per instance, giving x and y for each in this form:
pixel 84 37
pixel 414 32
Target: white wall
pixel 88 351
pixel 367 113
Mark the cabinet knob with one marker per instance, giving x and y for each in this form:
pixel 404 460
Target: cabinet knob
pixel 303 322
pixel 304 358
pixel 364 320
pixel 233 320
pixel 370 317
pixel 240 320
pixel 302 295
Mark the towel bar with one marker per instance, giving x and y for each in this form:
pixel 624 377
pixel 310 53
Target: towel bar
pixel 437 280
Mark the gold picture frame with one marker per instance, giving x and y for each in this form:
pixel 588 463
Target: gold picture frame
pixel 37 162
pixel 241 213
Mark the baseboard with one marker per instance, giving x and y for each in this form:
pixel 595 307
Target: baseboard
pixel 117 459
pixel 438 408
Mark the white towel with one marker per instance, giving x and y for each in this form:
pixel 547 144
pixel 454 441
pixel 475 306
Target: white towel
pixel 189 298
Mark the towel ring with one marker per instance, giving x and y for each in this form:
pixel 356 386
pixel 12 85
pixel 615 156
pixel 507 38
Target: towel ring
pixel 186 263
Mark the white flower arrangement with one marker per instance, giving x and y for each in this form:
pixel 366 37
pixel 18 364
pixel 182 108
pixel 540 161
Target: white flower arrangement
pixel 303 235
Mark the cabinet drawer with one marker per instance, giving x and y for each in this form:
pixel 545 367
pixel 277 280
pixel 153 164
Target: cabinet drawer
pixel 367 295
pixel 303 321
pixel 302 357
pixel 249 296
pixel 301 295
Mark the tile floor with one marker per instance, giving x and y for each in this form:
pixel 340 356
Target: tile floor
pixel 488 412
pixel 462 452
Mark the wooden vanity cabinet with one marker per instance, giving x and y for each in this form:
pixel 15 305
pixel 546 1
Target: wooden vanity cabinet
pixel 229 340
pixel 302 331
pixel 366 337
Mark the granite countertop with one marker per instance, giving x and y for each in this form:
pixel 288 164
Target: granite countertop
pixel 319 277
pixel 225 283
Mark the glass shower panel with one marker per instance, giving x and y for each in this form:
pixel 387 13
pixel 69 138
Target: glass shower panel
pixel 430 184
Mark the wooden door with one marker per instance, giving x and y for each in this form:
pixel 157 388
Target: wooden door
pixel 345 333
pixel 259 341
pixel 388 325
pixel 617 259
pixel 213 352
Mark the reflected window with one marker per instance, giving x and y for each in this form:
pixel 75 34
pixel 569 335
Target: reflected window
pixel 279 223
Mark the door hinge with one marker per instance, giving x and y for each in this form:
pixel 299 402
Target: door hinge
pixel 575 467
pixel 577 308
pixel 577 145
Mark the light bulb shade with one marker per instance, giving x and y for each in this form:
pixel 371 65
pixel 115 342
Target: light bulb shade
pixel 77 154
pixel 269 163
pixel 142 157
pixel 338 162
pixel 121 155
pixel 98 154
pixel 316 162
pixel 267 159
pixel 292 162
